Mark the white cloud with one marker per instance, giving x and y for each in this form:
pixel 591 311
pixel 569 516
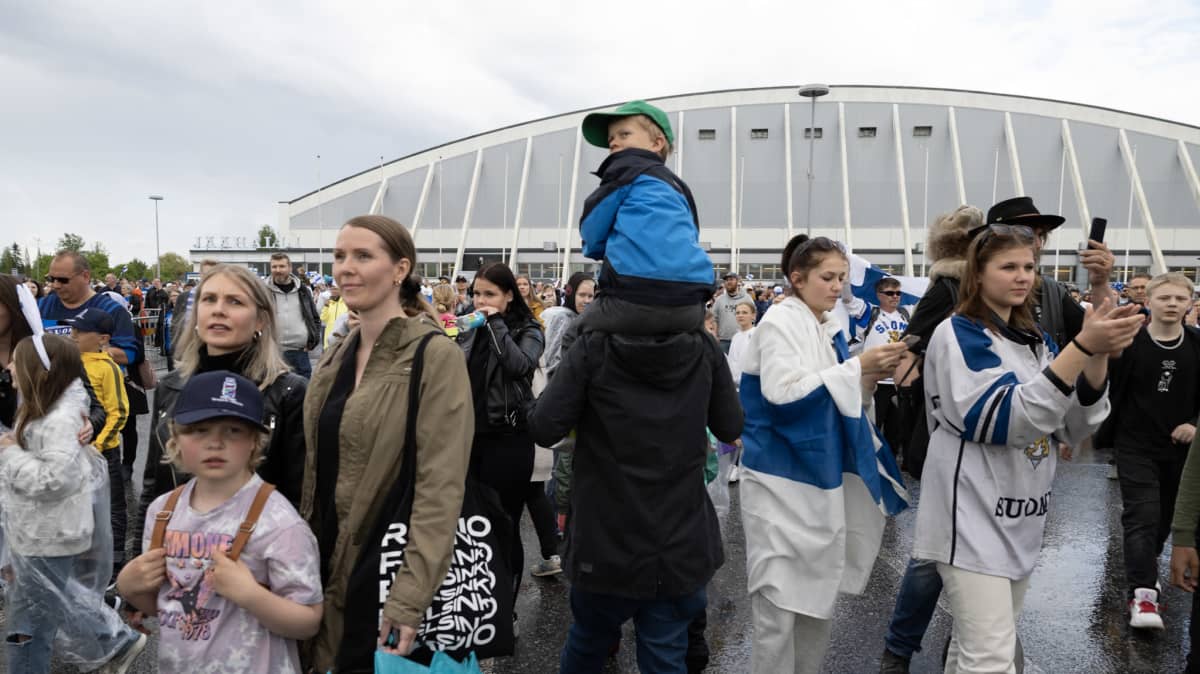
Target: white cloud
pixel 223 107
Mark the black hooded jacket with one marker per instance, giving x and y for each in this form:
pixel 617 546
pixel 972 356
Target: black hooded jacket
pixel 642 525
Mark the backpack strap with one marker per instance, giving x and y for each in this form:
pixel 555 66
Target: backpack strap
pixel 163 517
pixel 904 313
pixel 247 527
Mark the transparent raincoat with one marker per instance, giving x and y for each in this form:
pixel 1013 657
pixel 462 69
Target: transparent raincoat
pixel 54 511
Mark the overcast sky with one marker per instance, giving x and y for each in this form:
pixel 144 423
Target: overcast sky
pixel 223 107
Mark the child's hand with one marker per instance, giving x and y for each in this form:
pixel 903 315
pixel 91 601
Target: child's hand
pixel 86 432
pixel 231 579
pixel 145 574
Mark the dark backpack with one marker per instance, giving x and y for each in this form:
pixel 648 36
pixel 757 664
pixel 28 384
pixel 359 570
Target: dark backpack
pixel 910 401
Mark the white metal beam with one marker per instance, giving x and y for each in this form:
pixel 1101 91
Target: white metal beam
pixel 377 203
pixel 904 223
pixel 787 166
pixel 1140 194
pixel 566 262
pixel 733 192
pixel 1189 171
pixel 466 224
pixel 959 183
pixel 679 147
pixel 416 221
pixel 845 173
pixel 1014 159
pixel 1085 214
pixel 512 255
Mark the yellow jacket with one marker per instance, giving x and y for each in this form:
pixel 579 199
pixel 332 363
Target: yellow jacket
pixel 109 384
pixel 332 310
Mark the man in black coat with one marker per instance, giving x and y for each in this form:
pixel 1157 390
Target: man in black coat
pixel 643 539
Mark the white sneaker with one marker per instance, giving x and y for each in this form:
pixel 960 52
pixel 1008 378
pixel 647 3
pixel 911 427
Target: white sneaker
pixel 733 474
pixel 1143 610
pixel 121 663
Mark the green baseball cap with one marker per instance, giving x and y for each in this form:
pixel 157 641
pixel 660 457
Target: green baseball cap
pixel 595 125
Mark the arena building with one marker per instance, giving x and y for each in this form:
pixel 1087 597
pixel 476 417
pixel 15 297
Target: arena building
pixel 885 161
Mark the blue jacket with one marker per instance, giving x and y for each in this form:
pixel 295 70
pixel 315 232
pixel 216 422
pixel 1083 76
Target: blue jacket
pixel 642 222
pixel 124 334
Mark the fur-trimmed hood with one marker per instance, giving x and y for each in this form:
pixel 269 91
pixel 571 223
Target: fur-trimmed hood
pixel 948 241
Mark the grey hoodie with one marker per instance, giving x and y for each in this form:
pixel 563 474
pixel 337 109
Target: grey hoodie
pixel 292 320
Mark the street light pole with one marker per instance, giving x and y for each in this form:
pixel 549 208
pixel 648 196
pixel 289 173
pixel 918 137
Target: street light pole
pixel 812 91
pixel 157 255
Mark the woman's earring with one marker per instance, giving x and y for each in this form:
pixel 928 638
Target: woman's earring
pixel 397 282
pixel 257 335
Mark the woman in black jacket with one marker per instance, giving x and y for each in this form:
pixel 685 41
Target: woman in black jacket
pixel 231 327
pixel 502 355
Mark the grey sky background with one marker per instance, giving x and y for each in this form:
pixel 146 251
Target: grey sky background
pixel 223 107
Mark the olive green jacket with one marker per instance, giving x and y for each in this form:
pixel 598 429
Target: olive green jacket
pixel 370 440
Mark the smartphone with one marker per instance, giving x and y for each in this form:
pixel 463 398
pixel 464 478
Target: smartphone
pixel 1097 231
pixel 911 341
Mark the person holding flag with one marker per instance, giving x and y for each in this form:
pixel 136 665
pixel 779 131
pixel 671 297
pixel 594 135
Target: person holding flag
pixel 816 481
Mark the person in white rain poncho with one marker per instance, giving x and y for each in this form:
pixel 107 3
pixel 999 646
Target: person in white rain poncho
pixel 998 397
pixel 817 481
pixel 55 512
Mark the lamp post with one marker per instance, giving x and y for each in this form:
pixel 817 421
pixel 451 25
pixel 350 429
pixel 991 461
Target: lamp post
pixel 813 92
pixel 157 255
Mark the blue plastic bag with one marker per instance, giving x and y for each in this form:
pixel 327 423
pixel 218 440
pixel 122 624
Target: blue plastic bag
pixel 386 663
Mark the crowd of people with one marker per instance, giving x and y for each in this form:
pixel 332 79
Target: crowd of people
pixel 285 506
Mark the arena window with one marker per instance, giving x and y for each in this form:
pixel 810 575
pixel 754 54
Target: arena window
pixel 922 131
pixel 866 132
pixel 810 132
pixel 758 134
pixel 708 134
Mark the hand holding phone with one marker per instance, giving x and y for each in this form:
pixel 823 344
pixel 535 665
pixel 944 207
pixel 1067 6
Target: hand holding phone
pixel 1097 232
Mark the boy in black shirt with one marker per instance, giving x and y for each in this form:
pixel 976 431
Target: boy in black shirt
pixel 1155 392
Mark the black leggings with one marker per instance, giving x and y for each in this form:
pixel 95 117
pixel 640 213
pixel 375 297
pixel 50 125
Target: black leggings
pixel 542 514
pixel 129 441
pixel 504 462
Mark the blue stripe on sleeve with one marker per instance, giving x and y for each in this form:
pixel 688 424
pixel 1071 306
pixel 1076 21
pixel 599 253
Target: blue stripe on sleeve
pixel 972 430
pixel 1003 414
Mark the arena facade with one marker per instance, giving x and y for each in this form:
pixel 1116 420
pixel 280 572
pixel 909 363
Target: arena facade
pixel 886 161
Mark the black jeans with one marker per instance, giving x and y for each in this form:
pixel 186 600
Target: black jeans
pixel 1149 484
pixel 504 462
pixel 886 418
pixel 129 442
pixel 116 506
pixel 542 514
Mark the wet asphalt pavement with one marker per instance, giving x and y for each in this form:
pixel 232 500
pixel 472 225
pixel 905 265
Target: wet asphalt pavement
pixel 1074 618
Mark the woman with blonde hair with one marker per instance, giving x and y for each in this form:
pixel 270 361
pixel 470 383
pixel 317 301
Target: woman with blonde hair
pixel 231 327
pixel 353 426
pixel 525 287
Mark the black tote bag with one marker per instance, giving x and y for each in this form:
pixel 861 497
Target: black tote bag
pixel 472 609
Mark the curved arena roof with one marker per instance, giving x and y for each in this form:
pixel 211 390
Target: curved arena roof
pixel 886 161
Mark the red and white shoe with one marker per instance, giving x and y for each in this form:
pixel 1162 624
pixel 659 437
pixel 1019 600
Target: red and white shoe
pixel 1143 610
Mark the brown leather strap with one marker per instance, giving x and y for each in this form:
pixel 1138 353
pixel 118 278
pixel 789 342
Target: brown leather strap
pixel 247 527
pixel 163 517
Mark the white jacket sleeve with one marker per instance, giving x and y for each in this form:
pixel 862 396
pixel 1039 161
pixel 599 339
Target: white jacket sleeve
pixel 983 400
pixel 48 468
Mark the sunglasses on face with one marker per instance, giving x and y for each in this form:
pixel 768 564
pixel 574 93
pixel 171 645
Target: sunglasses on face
pixel 890 293
pixel 61 280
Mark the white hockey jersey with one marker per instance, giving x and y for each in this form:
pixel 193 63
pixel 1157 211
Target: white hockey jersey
pixel 992 406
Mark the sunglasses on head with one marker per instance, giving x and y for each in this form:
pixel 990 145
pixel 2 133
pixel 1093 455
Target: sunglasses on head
pixel 890 293
pixel 1023 232
pixel 62 280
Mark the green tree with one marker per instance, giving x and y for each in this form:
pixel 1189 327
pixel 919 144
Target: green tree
pixel 70 241
pixel 267 238
pixel 41 265
pixel 174 266
pixel 97 257
pixel 134 269
pixel 11 261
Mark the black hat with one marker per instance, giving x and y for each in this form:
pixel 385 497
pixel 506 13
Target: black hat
pixel 729 275
pixel 1020 211
pixel 93 320
pixel 212 395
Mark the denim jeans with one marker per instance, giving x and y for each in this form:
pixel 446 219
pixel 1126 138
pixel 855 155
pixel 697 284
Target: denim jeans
pixel 299 362
pixel 915 604
pixel 42 604
pixel 661 626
